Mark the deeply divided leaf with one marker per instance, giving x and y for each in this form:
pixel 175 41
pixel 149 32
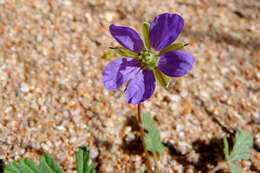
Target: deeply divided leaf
pixel 233 168
pixel 153 142
pixel 148 121
pixel 152 137
pixel 48 165
pixel 24 166
pixel 82 159
pixel 241 150
pixel 242 145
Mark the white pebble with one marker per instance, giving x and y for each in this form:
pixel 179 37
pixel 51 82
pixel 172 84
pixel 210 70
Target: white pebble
pixel 24 87
pixel 93 152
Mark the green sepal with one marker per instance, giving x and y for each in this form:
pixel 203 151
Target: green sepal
pixel 125 52
pixel 161 78
pixel 172 47
pixel 146 27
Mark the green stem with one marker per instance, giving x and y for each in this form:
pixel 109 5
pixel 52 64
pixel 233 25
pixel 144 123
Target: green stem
pixel 141 126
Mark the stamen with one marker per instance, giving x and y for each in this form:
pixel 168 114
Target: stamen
pixel 149 59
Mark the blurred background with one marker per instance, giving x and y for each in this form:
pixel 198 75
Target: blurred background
pixel 52 99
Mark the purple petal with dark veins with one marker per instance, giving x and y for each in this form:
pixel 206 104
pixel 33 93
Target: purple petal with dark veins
pixel 119 72
pixel 176 63
pixel 127 37
pixel 164 29
pixel 141 87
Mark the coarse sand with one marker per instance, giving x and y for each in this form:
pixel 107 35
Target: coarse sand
pixel 52 99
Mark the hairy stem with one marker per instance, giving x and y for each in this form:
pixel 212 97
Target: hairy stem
pixel 141 126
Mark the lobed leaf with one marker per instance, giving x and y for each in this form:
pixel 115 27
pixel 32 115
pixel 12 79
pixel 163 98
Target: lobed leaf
pixel 233 168
pixel 48 165
pixel 241 150
pixel 82 159
pixel 242 145
pixel 24 166
pixel 152 137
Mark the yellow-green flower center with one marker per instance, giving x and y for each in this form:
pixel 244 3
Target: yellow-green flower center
pixel 148 59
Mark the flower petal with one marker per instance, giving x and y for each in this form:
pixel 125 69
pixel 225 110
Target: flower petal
pixel 127 37
pixel 164 29
pixel 176 63
pixel 119 72
pixel 141 87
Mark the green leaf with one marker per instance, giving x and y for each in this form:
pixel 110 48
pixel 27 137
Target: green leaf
pixel 146 27
pixel 82 159
pixel 243 143
pixel 124 52
pixel 152 138
pixel 172 47
pixel 108 55
pixel 25 166
pixel 233 168
pixel 161 78
pixel 241 150
pixel 226 149
pixel 148 121
pixel 13 168
pixel 48 165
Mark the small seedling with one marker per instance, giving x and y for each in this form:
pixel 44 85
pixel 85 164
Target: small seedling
pixel 82 159
pixel 241 150
pixel 152 137
pixel 48 164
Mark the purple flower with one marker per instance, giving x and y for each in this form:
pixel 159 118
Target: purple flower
pixel 157 59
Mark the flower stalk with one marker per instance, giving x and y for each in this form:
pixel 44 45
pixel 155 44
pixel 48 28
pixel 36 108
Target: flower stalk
pixel 141 126
pixel 155 158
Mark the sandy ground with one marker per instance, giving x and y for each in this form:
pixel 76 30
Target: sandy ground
pixel 52 98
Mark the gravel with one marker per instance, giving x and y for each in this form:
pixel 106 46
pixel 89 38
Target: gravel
pixel 52 98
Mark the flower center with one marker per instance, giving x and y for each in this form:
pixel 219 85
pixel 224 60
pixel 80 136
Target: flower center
pixel 148 59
